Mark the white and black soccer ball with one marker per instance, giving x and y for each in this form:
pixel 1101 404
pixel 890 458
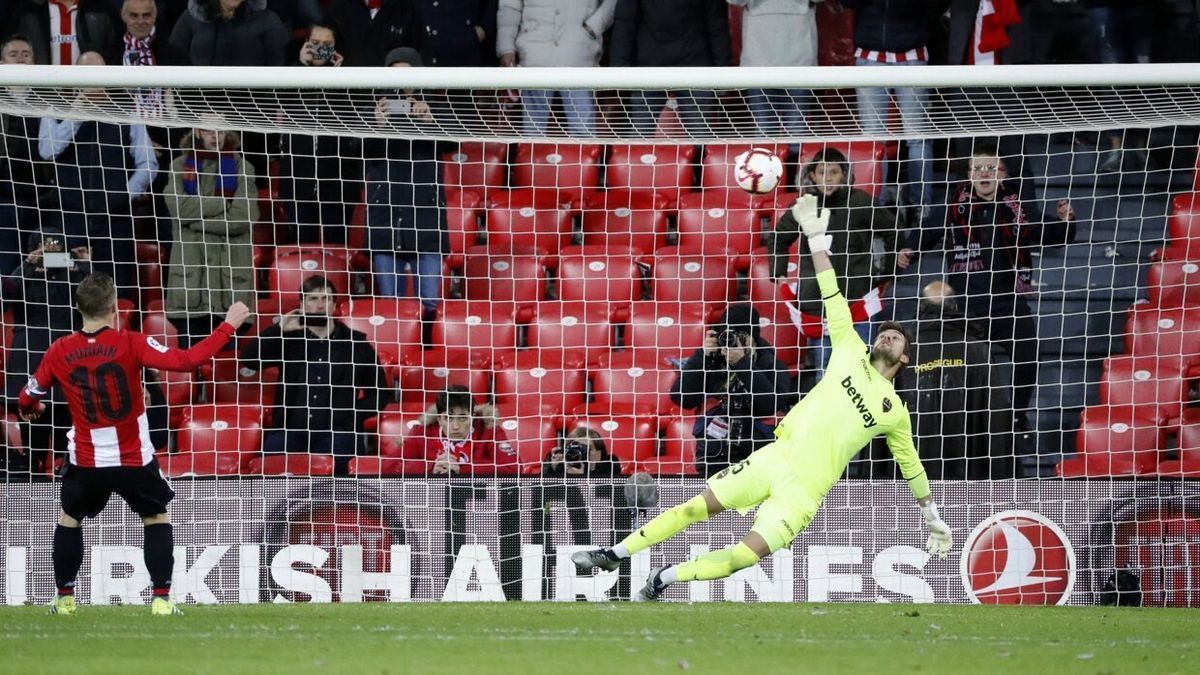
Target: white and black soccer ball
pixel 757 171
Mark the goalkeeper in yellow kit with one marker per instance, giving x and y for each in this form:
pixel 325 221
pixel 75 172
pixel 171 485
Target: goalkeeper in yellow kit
pixel 787 479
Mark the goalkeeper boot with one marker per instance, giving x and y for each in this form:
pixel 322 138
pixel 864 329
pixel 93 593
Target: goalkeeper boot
pixel 63 604
pixel 163 607
pixel 586 561
pixel 654 587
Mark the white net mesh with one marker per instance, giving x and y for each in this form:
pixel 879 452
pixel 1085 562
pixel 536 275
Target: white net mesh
pixel 561 280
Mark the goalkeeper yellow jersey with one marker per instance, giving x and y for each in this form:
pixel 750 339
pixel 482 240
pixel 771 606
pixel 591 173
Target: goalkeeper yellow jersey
pixel 852 404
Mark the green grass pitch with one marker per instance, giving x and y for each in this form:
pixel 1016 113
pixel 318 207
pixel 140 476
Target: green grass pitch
pixel 616 638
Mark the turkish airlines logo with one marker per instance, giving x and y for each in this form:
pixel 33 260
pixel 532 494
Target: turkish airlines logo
pixel 1018 558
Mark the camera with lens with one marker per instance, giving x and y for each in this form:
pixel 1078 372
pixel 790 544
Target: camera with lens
pixel 323 51
pixel 575 452
pixel 731 339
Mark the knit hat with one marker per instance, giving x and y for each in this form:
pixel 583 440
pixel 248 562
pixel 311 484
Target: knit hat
pixel 404 55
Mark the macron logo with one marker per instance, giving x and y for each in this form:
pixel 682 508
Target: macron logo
pixel 860 405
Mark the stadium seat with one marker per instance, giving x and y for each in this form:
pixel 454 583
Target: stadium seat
pixel 633 383
pixel 566 169
pixel 570 333
pixel 231 432
pixel 533 436
pixel 228 384
pixel 603 274
pixel 670 329
pixel 151 268
pixel 632 441
pixel 766 297
pixel 536 220
pixel 690 276
pixel 1174 283
pixel 1188 463
pixel 1155 386
pixel 678 448
pixel 481 332
pixel 157 326
pixel 12 433
pixel 477 167
pixel 185 465
pixel 370 466
pixel 536 385
pixel 293 265
pixel 717 229
pixel 464 211
pixel 292 464
pixel 178 388
pixel 392 326
pixel 716 169
pixel 420 384
pixel 504 273
pixel 664 169
pixel 644 229
pixel 1183 228
pixel 1113 441
pixel 1164 332
pixel 866 161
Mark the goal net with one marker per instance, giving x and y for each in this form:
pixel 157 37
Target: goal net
pixel 503 315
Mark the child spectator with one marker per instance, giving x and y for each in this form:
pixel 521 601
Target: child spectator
pixel 458 438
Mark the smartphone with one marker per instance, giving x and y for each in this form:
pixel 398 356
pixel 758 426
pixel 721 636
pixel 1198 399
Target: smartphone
pixel 60 259
pixel 399 106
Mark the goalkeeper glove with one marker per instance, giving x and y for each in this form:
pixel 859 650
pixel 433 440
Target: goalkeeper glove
pixel 940 539
pixel 813 223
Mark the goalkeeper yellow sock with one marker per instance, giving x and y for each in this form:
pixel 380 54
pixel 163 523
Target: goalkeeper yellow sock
pixel 664 526
pixel 717 564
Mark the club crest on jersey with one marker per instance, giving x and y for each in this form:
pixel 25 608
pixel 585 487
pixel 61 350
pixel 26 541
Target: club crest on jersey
pixel 860 404
pixel 887 404
pixel 156 345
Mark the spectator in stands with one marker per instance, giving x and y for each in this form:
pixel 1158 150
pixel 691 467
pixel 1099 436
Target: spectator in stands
pixel 894 33
pixel 582 454
pixel 554 33
pixel 458 33
pixel 230 33
pixel 459 438
pixel 406 218
pixel 1126 31
pixel 145 44
pixel 100 168
pixel 962 426
pixel 738 369
pixel 212 201
pixel 370 29
pixel 779 33
pixel 60 31
pixel 330 374
pixel 19 163
pixel 856 223
pixel 988 239
pixel 671 33
pixel 40 293
pixel 321 179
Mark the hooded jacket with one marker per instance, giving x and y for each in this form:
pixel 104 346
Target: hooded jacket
pixel 253 36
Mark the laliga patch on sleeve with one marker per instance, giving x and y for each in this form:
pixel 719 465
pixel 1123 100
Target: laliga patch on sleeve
pixel 154 344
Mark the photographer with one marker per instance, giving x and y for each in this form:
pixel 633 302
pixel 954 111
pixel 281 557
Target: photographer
pixel 738 368
pixel 582 454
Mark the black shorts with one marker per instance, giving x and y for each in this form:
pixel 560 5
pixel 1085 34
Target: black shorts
pixel 85 492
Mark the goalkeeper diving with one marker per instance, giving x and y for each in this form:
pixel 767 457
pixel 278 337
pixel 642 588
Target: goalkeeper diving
pixel 788 479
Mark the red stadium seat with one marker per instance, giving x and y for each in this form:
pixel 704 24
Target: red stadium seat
pixel 1188 463
pixel 1183 228
pixel 785 337
pixel 292 464
pixel 392 325
pixel 632 441
pixel 665 169
pixel 599 274
pixel 717 165
pixel 1113 441
pixel 535 385
pixel 672 330
pixel 1174 283
pixel 375 466
pixel 717 229
pixel 1164 332
pixel 234 430
pixel 293 265
pixel 475 167
pixel 229 385
pixel 463 213
pixel 178 388
pixel 866 162
pixel 183 465
pixel 679 448
pixel 393 429
pixel 644 229
pixel 533 436
pixel 633 383
pixel 1155 386
pixel 536 220
pixel 767 298
pixel 157 326
pixel 482 332
pixel 566 169
pixel 687 276
pixel 502 273
pixel 571 333
pixel 421 384
pixel 151 267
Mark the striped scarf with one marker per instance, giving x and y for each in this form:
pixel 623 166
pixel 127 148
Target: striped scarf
pixel 227 180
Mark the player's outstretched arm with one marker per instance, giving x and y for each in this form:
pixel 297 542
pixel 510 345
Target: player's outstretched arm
pixel 29 404
pixel 900 443
pixel 158 356
pixel 814 224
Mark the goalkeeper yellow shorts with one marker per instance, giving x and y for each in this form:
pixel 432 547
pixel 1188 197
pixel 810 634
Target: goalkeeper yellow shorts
pixel 765 479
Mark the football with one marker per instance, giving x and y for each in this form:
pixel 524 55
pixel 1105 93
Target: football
pixel 757 171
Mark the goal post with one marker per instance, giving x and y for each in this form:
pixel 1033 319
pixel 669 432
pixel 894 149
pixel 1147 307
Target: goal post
pixel 571 276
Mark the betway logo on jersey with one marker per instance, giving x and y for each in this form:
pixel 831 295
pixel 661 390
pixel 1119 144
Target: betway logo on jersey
pixel 860 405
pixel 1018 558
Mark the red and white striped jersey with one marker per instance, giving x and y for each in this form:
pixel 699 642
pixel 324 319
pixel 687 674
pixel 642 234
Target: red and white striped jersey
pixel 101 376
pixel 918 54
